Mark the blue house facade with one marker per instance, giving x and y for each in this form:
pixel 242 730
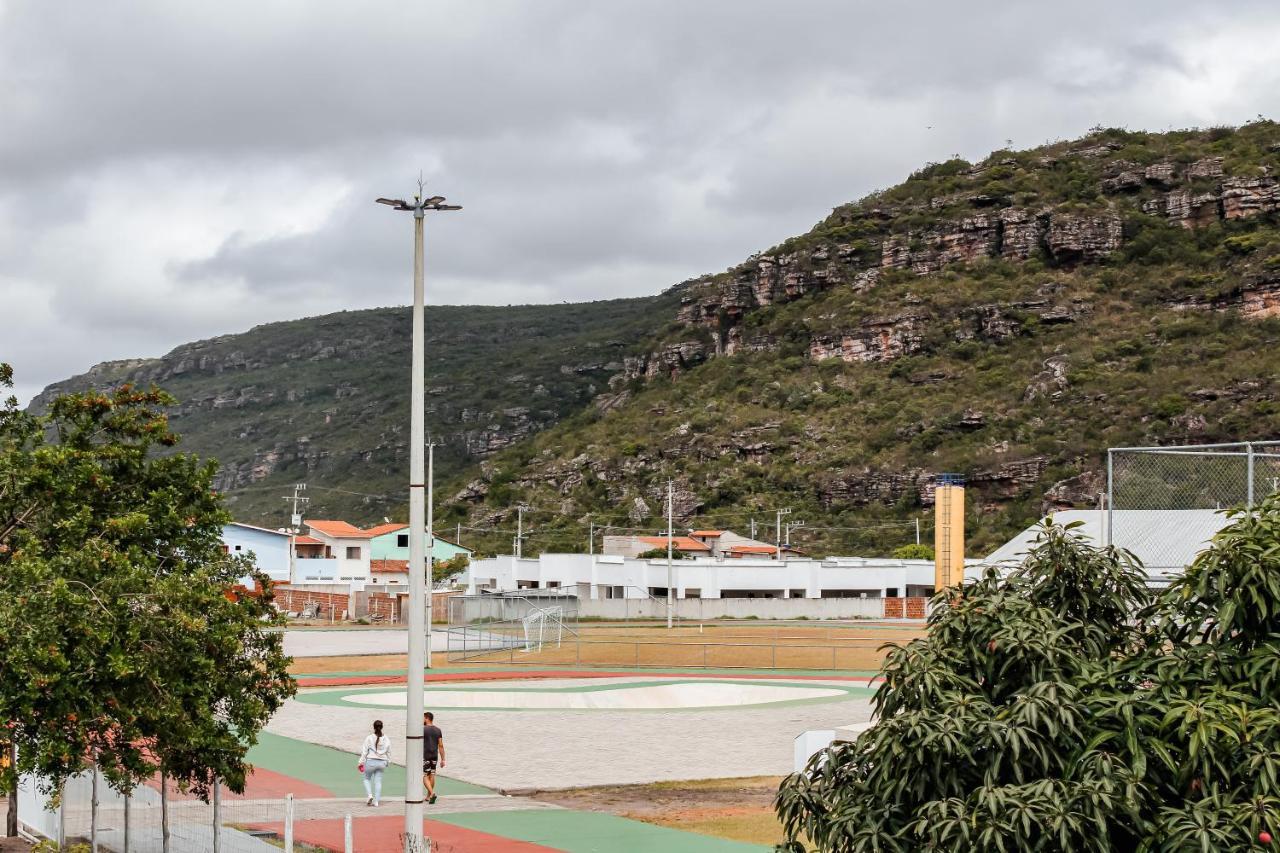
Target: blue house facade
pixel 270 548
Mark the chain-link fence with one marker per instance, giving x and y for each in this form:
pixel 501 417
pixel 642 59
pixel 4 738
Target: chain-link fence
pixel 1165 503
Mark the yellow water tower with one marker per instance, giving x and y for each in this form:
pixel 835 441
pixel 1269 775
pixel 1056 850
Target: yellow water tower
pixel 948 532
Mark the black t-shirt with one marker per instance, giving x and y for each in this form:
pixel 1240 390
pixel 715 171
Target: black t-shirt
pixel 431 737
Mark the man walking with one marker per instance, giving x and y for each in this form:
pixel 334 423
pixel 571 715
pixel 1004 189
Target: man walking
pixel 432 753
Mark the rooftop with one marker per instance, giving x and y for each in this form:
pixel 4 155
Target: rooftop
pixel 337 529
pixel 389 566
pixel 390 527
pixel 680 543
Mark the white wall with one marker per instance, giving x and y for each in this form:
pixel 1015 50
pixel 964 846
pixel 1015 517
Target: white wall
pixel 735 608
pixel 590 576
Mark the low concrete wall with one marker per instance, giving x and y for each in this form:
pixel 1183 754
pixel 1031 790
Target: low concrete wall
pixel 735 608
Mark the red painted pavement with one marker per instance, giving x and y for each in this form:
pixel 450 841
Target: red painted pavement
pixel 520 674
pixel 382 835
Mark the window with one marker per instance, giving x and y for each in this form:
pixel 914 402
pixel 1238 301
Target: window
pixel 402 540
pixel 237 547
pixel 353 552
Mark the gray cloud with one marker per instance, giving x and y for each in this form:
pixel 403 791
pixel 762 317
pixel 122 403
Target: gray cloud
pixel 173 171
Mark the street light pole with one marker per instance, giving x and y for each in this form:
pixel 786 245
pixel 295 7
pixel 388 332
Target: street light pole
pixel 419 624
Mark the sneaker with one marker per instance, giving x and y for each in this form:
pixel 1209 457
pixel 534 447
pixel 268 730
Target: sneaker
pixel 376 803
pixel 369 801
pixel 432 801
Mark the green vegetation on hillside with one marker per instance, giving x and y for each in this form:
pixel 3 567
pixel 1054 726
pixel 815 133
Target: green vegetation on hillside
pixel 1016 373
pixel 1006 320
pixel 324 400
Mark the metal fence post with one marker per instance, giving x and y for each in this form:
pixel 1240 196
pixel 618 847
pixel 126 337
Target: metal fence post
pixel 1248 500
pixel 1110 501
pixel 217 815
pixel 93 810
pixel 62 819
pixel 288 823
pixel 164 813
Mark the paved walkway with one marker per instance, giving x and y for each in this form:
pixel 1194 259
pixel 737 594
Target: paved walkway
pixel 517 750
pixel 316 643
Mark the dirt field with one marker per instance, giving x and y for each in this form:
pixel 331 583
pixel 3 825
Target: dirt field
pixel 737 809
pixel 350 663
pixel 790 646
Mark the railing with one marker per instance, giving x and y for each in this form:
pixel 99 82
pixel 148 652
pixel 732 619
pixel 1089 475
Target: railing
pixel 751 651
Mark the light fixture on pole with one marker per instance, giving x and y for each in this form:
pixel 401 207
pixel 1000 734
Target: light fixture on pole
pixel 419 602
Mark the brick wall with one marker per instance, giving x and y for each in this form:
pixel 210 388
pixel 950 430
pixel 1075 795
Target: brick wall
pixel 298 599
pixel 915 607
pixel 383 605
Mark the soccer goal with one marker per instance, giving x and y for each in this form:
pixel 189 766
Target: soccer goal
pixel 543 625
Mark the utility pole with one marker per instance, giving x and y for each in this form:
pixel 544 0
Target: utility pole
pixel 917 530
pixel 777 533
pixel 753 528
pixel 591 537
pixel 671 492
pixel 299 502
pixel 418 626
pixel 295 525
pixel 457 537
pixel 792 525
pixel 519 532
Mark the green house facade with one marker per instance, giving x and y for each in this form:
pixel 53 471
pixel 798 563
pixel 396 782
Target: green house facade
pixel 391 542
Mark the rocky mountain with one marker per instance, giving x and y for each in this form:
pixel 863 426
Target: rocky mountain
pixel 324 400
pixel 1007 320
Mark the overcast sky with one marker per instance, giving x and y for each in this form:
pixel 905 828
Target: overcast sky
pixel 172 171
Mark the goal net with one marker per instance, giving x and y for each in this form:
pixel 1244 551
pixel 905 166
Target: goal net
pixel 543 625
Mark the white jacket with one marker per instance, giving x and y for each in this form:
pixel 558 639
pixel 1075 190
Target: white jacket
pixel 376 747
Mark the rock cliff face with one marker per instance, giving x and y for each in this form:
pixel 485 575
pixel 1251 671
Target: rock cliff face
pixel 323 400
pixel 1192 195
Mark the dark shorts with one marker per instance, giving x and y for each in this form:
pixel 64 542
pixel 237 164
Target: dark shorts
pixel 429 765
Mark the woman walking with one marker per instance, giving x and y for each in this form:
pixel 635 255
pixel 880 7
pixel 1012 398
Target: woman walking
pixel 374 757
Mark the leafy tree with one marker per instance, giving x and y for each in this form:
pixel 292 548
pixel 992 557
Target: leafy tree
pixel 1061 708
pixel 661 554
pixel 913 551
pixel 444 569
pixel 122 638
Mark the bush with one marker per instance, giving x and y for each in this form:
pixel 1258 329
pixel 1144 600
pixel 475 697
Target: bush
pixel 914 551
pixel 1061 707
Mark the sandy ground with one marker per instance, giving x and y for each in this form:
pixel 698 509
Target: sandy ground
pixel 738 809
pixel 518 750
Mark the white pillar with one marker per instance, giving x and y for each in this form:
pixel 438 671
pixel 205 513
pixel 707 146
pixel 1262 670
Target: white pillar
pixel 417 559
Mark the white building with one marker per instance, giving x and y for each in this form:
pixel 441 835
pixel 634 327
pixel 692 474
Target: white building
pixel 332 552
pixel 610 576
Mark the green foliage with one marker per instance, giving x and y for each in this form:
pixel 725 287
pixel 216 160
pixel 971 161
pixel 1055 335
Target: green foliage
pixel 1062 708
pixel 660 553
pixel 913 551
pixel 445 569
pixel 121 638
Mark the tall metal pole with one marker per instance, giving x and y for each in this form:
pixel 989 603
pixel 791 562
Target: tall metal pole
pixel 670 548
pixel 917 531
pixel 418 615
pixel 417 558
